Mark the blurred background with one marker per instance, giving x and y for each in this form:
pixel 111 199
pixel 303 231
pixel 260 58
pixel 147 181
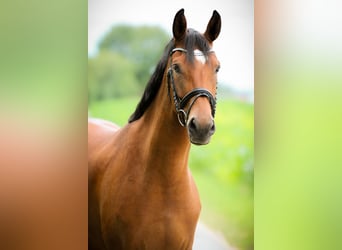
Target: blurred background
pixel 298 139
pixel 125 43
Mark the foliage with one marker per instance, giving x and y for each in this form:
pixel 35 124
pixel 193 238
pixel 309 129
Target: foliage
pixel 223 169
pixel 126 59
pixel 110 75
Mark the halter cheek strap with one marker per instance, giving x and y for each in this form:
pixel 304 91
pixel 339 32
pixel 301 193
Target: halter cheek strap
pixel 181 103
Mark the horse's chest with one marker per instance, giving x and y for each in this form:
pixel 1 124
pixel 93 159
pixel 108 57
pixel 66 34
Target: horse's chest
pixel 158 231
pixel 156 219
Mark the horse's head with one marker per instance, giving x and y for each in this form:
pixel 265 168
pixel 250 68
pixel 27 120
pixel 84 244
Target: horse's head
pixel 192 77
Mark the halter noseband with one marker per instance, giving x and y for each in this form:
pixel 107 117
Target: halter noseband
pixel 180 103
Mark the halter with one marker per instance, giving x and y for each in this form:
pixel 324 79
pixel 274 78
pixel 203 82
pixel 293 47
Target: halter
pixel 180 103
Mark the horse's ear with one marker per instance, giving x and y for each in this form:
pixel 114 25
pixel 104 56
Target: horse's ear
pixel 214 27
pixel 179 26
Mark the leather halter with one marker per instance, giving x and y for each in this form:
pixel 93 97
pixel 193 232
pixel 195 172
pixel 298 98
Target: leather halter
pixel 180 103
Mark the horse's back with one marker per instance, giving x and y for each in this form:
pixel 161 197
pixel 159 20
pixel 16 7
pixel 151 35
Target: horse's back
pixel 99 131
pixel 100 134
pixel 99 127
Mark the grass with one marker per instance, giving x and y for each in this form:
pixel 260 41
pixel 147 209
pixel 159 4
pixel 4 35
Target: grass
pixel 223 169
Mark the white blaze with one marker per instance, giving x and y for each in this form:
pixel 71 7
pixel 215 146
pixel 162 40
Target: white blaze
pixel 200 56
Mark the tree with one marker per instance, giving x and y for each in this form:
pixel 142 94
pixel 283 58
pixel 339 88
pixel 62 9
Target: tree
pixel 110 76
pixel 142 45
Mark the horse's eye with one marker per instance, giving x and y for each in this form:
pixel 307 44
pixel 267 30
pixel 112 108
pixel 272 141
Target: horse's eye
pixel 176 68
pixel 217 69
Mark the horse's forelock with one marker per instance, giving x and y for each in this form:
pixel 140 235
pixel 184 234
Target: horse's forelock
pixel 195 40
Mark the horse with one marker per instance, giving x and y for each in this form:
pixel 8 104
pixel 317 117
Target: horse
pixel 141 191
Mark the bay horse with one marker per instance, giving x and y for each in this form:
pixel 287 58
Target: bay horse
pixel 141 192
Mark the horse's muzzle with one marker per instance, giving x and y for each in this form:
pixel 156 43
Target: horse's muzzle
pixel 200 132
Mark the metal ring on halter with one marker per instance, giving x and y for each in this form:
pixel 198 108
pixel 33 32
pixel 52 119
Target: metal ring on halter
pixel 182 117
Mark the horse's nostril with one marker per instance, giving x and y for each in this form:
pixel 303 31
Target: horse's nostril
pixel 212 129
pixel 192 125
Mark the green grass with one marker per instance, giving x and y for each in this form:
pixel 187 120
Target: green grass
pixel 117 111
pixel 223 169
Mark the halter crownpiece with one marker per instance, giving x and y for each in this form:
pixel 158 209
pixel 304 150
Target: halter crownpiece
pixel 181 103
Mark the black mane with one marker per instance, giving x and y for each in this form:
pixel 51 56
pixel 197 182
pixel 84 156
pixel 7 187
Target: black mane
pixel 193 40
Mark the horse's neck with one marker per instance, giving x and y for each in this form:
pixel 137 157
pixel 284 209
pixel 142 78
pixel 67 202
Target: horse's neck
pixel 166 140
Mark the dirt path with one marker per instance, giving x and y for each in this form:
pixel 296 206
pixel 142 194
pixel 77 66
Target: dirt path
pixel 207 239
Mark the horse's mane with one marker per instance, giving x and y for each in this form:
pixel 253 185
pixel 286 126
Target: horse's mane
pixel 193 40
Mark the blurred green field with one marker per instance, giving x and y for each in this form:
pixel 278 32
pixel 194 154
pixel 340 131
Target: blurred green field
pixel 223 169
